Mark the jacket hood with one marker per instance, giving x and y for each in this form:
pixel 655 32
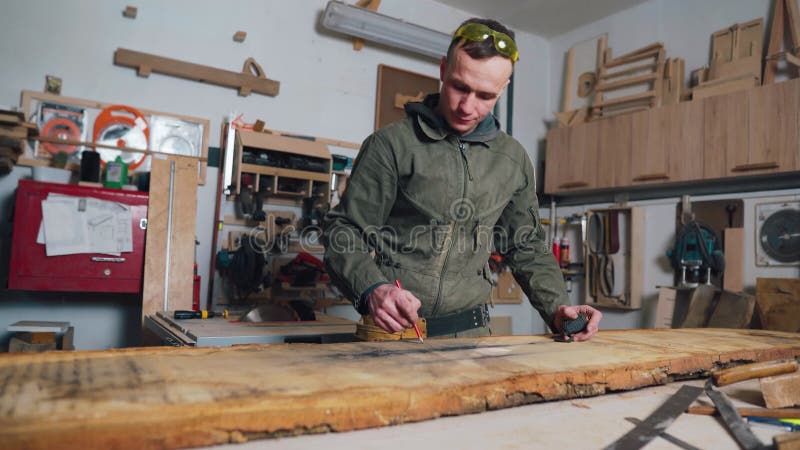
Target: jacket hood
pixel 435 127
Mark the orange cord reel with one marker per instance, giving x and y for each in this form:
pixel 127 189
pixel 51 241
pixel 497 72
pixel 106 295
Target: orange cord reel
pixel 61 128
pixel 121 126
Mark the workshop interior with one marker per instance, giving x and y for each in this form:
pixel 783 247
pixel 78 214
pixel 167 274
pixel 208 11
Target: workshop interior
pixel 166 169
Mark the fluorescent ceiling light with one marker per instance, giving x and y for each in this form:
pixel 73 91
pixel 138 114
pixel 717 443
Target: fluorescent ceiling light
pixel 371 26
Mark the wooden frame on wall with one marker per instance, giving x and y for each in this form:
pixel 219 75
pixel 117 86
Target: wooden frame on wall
pixel 30 99
pixel 395 88
pixel 627 255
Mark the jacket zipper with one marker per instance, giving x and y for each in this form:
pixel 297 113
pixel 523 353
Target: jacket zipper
pixel 463 149
pixel 467 174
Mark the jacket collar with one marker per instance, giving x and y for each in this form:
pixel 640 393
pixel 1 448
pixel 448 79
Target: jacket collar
pixel 435 127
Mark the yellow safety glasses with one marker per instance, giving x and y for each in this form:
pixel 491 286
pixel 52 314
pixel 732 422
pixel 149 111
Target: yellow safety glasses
pixel 479 32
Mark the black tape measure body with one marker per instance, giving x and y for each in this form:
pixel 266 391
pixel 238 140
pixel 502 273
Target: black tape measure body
pixel 570 327
pixel 576 325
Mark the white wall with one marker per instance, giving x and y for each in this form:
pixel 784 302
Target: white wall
pixel 327 90
pixel 685 28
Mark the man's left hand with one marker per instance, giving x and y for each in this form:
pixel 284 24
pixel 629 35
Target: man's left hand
pixel 593 317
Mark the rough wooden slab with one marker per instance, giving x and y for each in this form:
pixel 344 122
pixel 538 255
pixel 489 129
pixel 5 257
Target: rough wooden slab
pixel 182 397
pixel 778 301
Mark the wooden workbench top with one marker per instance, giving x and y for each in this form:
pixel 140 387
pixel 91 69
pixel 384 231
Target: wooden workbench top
pixel 181 397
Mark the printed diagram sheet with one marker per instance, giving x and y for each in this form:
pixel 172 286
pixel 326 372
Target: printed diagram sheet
pixel 72 225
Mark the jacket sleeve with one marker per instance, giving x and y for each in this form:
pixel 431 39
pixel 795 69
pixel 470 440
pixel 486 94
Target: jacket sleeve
pixel 523 244
pixel 351 228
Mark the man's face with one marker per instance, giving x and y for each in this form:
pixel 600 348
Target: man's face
pixel 470 88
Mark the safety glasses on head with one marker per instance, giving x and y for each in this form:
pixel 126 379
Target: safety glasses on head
pixel 479 32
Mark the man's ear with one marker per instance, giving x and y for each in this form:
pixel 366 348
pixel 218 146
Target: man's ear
pixel 442 68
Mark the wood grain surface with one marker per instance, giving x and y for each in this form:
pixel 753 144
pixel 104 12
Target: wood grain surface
pixel 182 246
pixel 182 397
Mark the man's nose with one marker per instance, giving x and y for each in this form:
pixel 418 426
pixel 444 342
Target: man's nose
pixel 467 103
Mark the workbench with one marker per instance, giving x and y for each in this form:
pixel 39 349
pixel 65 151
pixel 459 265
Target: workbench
pixel 585 423
pixel 167 398
pixel 220 332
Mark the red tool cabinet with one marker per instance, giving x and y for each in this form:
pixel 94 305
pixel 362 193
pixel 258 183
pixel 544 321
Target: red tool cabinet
pixel 31 269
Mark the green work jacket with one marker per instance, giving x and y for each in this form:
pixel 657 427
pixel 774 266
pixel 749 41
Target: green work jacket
pixel 426 206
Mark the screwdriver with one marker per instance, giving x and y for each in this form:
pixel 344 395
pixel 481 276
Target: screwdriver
pixel 204 314
pixel 416 327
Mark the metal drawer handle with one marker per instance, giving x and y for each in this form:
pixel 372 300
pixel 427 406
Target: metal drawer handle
pixel 107 259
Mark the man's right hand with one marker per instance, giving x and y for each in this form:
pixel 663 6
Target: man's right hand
pixel 393 308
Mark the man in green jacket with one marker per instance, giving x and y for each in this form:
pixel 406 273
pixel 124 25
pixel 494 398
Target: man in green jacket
pixel 430 198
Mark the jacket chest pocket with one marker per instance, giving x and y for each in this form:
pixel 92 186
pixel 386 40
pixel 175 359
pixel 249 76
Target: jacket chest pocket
pixel 430 179
pixel 496 179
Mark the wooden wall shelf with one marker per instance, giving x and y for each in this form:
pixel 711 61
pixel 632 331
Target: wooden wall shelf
pixel 251 78
pixel 307 182
pixel 30 101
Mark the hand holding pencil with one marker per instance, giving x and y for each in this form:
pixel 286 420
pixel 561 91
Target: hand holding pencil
pixel 393 308
pixel 416 327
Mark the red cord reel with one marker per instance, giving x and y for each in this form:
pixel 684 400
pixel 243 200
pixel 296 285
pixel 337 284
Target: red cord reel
pixel 122 126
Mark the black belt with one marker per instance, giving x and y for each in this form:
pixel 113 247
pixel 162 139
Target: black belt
pixel 458 322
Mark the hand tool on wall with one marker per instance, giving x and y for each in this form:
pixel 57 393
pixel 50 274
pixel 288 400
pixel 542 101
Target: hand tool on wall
pixel 697 249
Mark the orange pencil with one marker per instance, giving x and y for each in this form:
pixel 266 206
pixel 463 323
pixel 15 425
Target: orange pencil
pixel 416 328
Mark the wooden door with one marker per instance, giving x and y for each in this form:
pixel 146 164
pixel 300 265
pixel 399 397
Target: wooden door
pixel 683 141
pixel 726 134
pixel 557 150
pixel 572 158
pixel 648 151
pixel 581 166
pixel 614 153
pixel 773 122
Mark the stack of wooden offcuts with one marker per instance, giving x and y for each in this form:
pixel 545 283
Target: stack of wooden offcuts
pixel 14 131
pixel 735 60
